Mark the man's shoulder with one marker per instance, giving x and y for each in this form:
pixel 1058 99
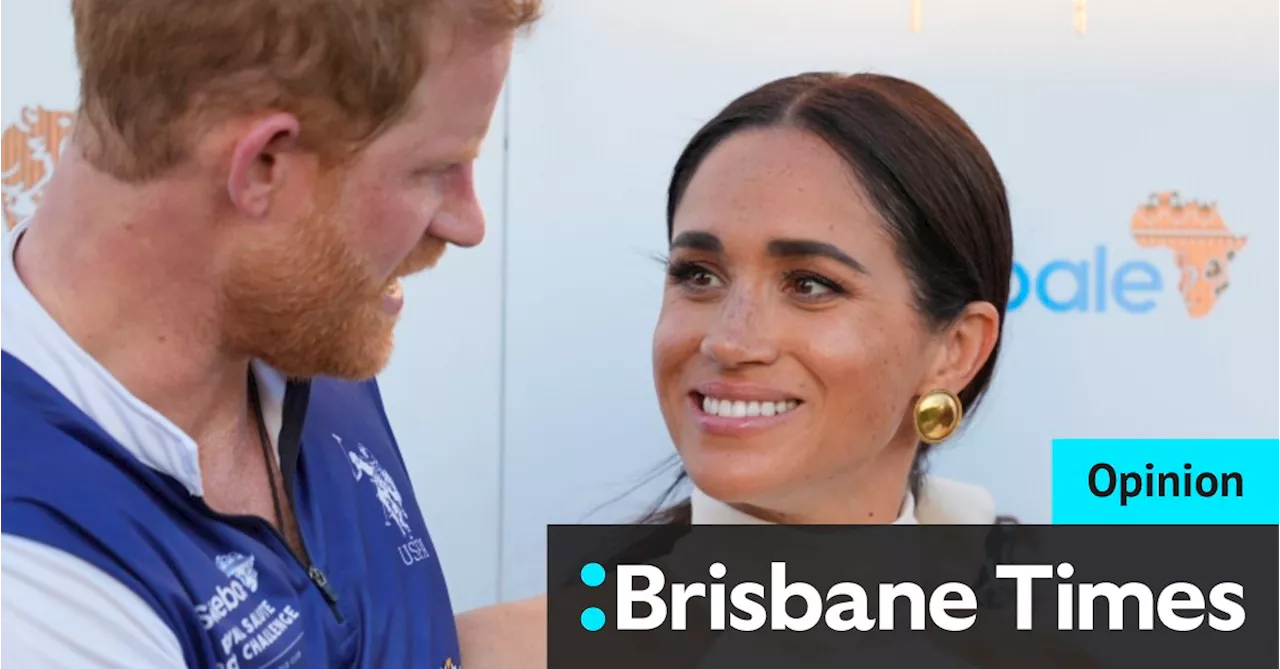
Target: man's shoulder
pixel 80 499
pixel 32 412
pixel 54 458
pixel 81 527
pixel 69 494
pixel 60 609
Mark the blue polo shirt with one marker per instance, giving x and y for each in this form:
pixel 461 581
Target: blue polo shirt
pixel 112 557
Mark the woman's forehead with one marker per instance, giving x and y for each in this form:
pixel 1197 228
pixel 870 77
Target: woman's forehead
pixel 776 183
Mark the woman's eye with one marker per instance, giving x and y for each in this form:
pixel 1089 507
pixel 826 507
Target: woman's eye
pixel 702 279
pixel 810 286
pixel 693 277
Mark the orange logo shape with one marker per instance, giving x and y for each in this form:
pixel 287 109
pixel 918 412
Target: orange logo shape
pixel 31 148
pixel 1202 245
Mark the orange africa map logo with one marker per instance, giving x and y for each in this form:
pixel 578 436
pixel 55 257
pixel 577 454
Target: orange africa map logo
pixel 1202 245
pixel 31 148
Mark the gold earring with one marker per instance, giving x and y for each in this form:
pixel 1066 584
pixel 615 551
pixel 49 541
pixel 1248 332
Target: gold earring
pixel 937 415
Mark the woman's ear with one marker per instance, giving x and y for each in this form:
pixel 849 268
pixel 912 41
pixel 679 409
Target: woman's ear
pixel 964 348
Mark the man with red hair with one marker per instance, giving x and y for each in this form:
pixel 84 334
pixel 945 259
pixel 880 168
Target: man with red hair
pixel 198 467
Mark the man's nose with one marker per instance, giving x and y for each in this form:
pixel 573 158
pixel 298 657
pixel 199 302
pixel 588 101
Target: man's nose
pixel 460 220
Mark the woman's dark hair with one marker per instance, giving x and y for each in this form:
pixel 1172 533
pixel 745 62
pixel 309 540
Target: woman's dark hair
pixel 932 181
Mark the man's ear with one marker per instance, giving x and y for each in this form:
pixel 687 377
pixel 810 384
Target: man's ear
pixel 259 167
pixel 964 348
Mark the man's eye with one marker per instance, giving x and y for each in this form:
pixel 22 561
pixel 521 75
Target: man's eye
pixel 435 171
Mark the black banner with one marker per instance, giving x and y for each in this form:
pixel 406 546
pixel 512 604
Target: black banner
pixel 913 596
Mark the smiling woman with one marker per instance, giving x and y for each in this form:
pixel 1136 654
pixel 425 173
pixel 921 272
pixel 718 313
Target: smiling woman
pixel 840 254
pixel 840 250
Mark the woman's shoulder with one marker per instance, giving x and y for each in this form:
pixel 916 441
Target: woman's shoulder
pixel 510 635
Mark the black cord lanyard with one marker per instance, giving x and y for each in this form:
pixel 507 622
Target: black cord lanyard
pixel 265 438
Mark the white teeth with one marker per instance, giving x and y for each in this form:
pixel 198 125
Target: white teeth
pixel 743 409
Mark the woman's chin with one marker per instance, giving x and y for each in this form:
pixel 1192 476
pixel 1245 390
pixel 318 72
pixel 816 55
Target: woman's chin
pixel 735 479
pixel 745 467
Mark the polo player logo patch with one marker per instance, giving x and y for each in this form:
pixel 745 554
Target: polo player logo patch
pixel 365 466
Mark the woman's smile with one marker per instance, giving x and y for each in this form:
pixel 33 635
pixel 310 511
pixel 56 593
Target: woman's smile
pixel 727 409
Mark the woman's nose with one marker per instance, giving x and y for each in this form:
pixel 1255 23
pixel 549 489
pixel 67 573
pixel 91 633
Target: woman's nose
pixel 740 335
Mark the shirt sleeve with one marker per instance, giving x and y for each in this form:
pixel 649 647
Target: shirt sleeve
pixel 60 611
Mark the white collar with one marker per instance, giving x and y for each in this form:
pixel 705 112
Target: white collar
pixel 942 502
pixel 34 338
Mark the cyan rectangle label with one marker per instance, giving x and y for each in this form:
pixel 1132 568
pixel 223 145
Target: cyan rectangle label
pixel 1166 481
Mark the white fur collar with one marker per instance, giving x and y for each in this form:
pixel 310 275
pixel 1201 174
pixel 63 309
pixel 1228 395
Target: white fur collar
pixel 942 502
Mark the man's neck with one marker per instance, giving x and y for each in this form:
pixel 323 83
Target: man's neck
pixel 128 276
